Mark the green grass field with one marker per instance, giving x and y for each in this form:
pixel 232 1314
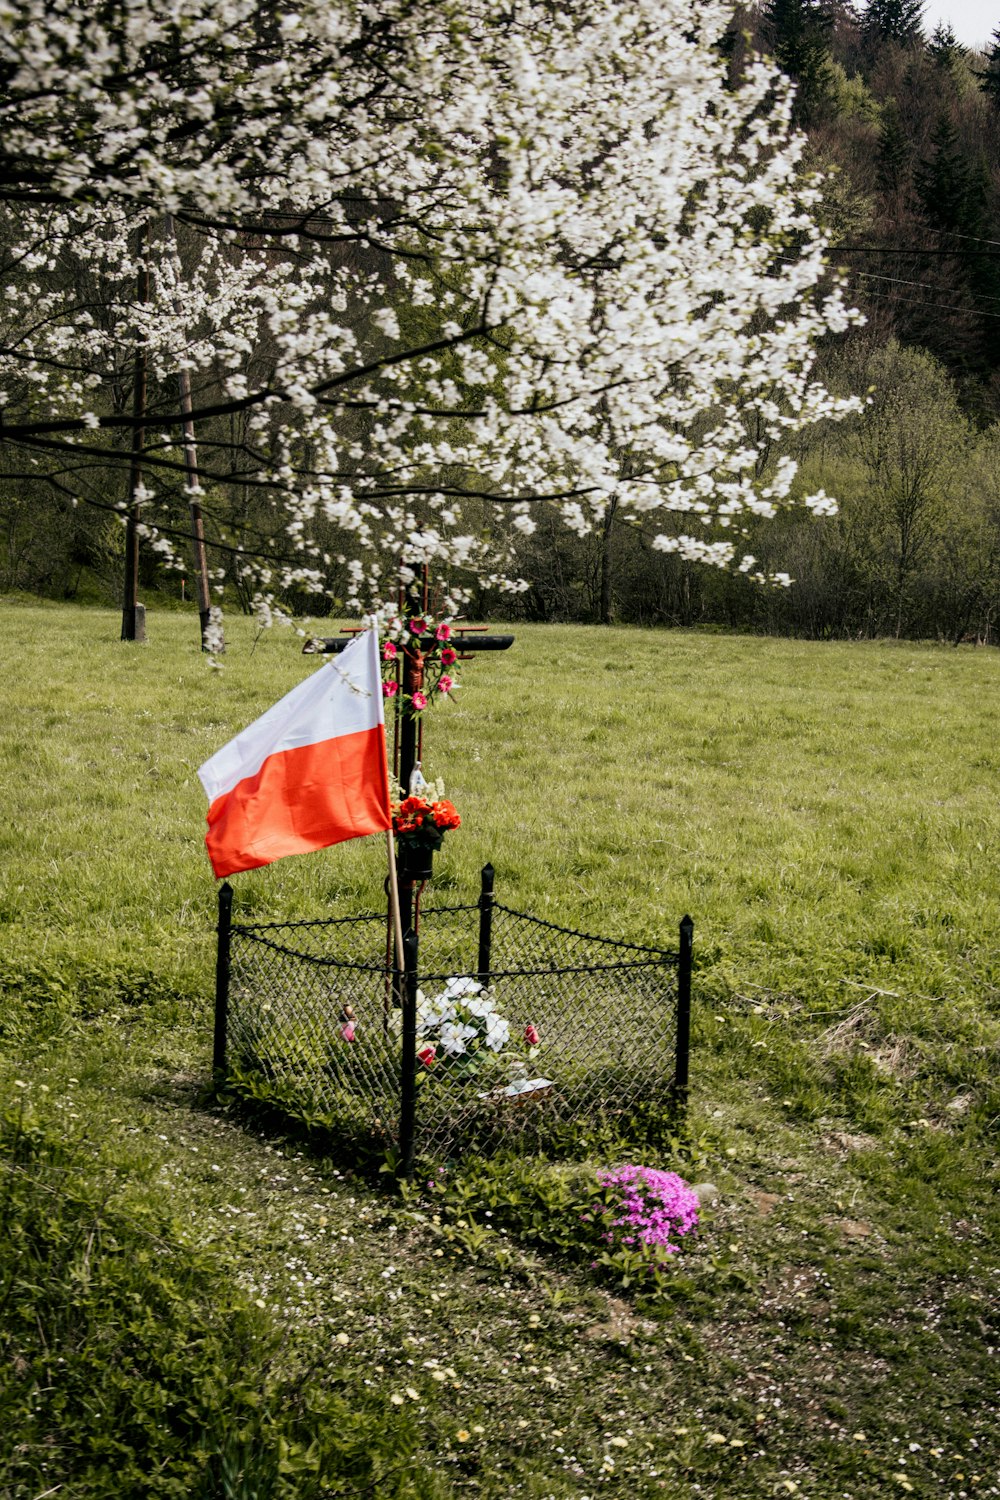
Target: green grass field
pixel 828 816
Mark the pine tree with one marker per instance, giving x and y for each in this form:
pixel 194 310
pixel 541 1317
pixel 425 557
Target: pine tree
pixel 989 78
pixel 893 149
pixel 894 20
pixel 945 47
pixel 797 32
pixel 948 187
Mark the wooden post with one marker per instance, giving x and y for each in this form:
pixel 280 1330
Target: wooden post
pixel 413 681
pixel 134 622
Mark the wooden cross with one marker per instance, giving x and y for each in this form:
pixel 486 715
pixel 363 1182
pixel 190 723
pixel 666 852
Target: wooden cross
pixel 408 733
pixel 408 729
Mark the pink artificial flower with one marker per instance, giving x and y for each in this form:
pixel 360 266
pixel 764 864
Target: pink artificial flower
pixel 445 684
pixel 531 1035
pixel 389 651
pixel 419 701
pixel 347 1032
pixel 426 1055
pixel 448 655
pixel 417 627
pixel 390 689
pixel 443 633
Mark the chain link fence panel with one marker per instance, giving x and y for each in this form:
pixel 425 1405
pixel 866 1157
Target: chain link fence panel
pixel 583 1030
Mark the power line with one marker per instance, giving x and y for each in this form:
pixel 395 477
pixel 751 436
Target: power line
pixel 957 235
pixel 973 310
pixel 911 250
pixel 954 234
pixel 927 286
pixel 941 306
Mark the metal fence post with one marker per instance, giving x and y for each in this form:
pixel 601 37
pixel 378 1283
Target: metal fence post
pixel 485 924
pixel 684 965
pixel 222 980
pixel 408 1061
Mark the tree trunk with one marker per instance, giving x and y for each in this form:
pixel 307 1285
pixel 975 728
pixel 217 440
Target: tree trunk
pixel 606 561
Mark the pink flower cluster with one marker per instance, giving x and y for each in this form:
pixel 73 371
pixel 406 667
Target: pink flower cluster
pixel 653 1208
pixel 419 639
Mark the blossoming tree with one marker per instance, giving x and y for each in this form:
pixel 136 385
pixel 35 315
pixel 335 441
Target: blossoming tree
pixel 413 261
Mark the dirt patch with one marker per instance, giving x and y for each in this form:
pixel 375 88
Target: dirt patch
pixel 620 1323
pixel 844 1141
pixel 851 1229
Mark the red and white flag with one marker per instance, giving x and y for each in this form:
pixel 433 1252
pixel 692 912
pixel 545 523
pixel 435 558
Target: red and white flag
pixel 309 773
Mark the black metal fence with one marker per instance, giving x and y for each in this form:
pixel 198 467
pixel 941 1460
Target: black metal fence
pixel 501 1028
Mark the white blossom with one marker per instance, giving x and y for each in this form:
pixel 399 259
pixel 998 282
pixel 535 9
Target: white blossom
pixel 429 253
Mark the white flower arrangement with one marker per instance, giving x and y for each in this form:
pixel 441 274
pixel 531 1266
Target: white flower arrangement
pixel 460 1028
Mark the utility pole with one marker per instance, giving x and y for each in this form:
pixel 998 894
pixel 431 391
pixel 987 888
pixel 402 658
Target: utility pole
pixel 193 487
pixel 133 613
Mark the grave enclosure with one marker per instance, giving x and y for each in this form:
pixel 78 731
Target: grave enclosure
pixel 316 1019
pixel 320 1019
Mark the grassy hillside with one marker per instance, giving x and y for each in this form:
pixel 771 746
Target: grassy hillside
pixel 828 816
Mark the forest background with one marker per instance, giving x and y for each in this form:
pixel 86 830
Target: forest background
pixel 902 126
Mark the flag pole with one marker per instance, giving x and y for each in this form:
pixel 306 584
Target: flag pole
pixel 397 925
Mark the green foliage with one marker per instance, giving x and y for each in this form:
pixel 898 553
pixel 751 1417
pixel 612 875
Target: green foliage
pixel 473 1205
pixel 827 814
pixel 944 46
pixel 893 149
pixel 850 96
pixel 134 1365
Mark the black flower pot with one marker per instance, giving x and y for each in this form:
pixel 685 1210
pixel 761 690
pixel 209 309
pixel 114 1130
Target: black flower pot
pixel 415 862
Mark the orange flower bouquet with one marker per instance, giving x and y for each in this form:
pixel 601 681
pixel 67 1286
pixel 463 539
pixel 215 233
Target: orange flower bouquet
pixel 420 823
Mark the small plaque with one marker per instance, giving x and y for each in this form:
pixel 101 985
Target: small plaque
pixel 520 1089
